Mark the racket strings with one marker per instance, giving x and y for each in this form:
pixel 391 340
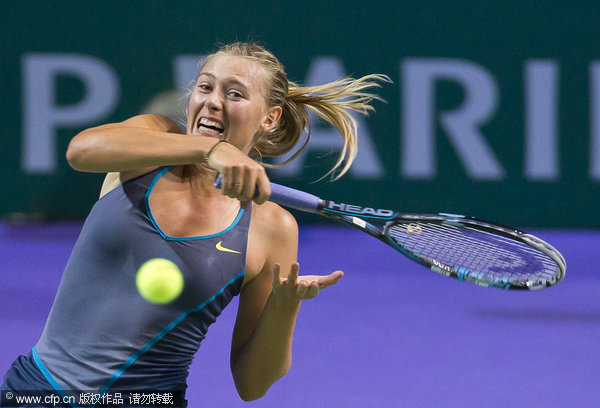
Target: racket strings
pixel 456 232
pixel 506 246
pixel 479 255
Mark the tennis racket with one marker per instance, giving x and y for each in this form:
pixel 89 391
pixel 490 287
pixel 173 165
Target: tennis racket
pixel 465 248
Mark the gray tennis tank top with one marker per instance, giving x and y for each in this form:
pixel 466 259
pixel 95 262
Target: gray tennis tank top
pixel 101 334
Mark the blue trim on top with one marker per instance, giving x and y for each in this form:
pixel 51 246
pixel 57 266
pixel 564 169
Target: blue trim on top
pixel 168 237
pixel 48 376
pixel 164 332
pixel 120 185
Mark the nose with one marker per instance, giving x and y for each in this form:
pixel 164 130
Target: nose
pixel 214 102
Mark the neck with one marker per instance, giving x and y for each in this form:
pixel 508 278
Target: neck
pixel 200 178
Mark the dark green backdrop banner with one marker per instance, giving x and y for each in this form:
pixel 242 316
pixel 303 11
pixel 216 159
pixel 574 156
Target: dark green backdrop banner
pixel 494 110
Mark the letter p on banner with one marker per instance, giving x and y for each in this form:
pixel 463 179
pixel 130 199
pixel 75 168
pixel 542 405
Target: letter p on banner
pixel 41 116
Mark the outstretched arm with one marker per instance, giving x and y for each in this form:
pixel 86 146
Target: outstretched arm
pixel 139 142
pixel 142 143
pixel 262 343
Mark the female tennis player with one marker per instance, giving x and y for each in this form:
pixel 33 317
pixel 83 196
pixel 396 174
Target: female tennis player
pixel 158 201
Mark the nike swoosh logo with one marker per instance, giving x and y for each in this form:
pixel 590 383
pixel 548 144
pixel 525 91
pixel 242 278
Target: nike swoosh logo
pixel 222 248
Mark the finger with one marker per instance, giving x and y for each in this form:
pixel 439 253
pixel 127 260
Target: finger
pixel 264 187
pixel 237 182
pixel 249 186
pixel 302 290
pixel 331 279
pixel 276 273
pixel 313 290
pixel 226 176
pixel 293 275
pixel 229 180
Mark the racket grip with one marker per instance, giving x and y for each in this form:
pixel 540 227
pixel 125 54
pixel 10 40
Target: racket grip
pixel 288 197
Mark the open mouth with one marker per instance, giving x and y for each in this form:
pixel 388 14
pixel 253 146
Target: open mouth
pixel 210 126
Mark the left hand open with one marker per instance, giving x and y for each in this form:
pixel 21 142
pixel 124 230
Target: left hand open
pixel 297 288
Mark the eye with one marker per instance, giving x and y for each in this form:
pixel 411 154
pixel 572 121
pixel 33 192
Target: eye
pixel 233 94
pixel 204 87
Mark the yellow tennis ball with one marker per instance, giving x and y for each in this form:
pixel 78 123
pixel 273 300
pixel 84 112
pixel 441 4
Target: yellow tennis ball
pixel 159 281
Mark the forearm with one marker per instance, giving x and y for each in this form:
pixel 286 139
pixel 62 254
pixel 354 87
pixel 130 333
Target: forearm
pixel 123 148
pixel 268 354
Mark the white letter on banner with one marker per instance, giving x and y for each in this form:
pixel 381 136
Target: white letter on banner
pixel 541 114
pixel 594 172
pixel 41 116
pixel 327 138
pixel 461 125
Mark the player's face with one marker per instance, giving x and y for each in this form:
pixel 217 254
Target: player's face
pixel 228 102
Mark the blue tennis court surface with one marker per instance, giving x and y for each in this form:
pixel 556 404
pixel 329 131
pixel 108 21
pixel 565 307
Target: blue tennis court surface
pixel 391 333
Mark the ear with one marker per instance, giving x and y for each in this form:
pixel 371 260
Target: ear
pixel 271 118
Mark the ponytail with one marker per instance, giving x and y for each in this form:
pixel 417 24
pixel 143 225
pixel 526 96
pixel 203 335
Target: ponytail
pixel 334 102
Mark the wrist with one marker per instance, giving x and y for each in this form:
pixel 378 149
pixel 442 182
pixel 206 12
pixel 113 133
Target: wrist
pixel 212 149
pixel 284 305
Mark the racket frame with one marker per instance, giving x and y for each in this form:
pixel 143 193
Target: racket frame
pixel 362 217
pixel 358 219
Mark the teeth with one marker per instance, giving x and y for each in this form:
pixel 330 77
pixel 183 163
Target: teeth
pixel 209 130
pixel 205 122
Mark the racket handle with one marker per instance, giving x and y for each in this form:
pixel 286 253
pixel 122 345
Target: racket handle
pixel 288 197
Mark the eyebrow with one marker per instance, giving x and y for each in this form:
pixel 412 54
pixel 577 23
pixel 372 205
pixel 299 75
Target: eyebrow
pixel 228 80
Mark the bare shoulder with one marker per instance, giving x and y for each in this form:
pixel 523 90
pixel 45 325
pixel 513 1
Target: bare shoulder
pixel 154 122
pixel 273 237
pixel 273 222
pixel 145 121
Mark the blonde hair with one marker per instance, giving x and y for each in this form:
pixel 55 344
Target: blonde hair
pixel 333 102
